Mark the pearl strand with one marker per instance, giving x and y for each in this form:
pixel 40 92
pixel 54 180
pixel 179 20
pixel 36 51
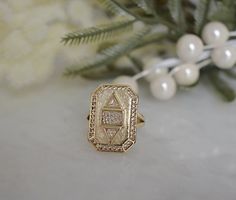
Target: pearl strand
pixel 192 56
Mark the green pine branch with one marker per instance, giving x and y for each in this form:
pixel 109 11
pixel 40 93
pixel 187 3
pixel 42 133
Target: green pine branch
pixel 99 33
pixel 108 55
pixel 157 19
pixel 137 63
pixel 112 7
pixel 143 5
pixel 230 73
pixel 221 86
pixel 201 14
pixel 227 10
pixel 177 13
pixel 152 39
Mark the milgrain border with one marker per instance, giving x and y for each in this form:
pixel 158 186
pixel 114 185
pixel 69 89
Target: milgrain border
pixel 132 128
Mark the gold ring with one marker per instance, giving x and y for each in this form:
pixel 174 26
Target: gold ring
pixel 113 118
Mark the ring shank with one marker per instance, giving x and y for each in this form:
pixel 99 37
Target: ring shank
pixel 140 120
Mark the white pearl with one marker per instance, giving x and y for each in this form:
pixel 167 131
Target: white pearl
pixel 186 74
pixel 189 48
pixel 127 80
pixel 224 57
pixel 154 73
pixel 215 33
pixel 163 87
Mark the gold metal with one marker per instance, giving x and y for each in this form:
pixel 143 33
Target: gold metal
pixel 113 118
pixel 140 120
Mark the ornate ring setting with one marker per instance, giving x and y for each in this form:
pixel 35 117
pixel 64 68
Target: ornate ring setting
pixel 113 118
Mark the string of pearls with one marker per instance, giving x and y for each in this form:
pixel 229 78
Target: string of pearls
pixel 165 75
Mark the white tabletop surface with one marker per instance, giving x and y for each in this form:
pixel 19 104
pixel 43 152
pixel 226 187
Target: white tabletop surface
pixel 186 151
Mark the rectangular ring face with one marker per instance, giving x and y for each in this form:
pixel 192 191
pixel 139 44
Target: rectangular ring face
pixel 113 118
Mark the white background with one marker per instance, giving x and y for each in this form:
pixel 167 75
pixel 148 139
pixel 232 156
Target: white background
pixel 187 150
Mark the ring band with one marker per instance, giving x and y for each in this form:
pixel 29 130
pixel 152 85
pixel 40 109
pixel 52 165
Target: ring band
pixel 113 118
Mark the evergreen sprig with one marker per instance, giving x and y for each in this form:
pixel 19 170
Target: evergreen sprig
pixel 221 86
pixel 201 14
pixel 108 55
pixel 99 33
pixel 177 13
pixel 111 6
pixel 143 5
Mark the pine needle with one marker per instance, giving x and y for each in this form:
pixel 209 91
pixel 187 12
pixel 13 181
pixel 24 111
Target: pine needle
pixel 227 11
pixel 138 64
pixel 143 5
pixel 99 33
pixel 177 13
pixel 201 14
pixel 112 7
pixel 108 55
pixel 230 73
pixel 221 86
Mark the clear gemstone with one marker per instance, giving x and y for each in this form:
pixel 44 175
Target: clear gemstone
pixel 112 118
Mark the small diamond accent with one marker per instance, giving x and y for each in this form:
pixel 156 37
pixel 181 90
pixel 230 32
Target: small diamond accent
pixel 112 118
